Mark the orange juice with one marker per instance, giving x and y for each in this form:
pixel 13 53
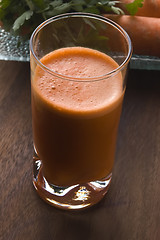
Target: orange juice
pixel 75 121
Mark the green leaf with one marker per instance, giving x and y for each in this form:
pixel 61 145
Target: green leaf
pixel 20 20
pixel 30 4
pixel 5 3
pixel 56 3
pixel 132 8
pixel 39 3
pixel 92 10
pixel 78 5
pixel 117 10
pixel 15 13
pixel 63 8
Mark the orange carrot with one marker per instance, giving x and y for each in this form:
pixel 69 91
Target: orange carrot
pixel 150 8
pixel 143 31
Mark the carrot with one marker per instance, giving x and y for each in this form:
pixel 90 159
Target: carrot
pixel 150 8
pixel 143 31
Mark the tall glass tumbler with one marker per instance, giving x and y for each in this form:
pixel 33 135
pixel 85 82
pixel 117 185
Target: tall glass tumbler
pixel 78 79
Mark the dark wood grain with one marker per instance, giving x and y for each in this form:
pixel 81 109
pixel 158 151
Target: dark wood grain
pixel 130 210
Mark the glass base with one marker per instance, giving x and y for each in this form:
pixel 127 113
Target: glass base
pixel 78 196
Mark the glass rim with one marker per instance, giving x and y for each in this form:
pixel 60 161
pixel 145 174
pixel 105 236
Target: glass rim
pixel 78 14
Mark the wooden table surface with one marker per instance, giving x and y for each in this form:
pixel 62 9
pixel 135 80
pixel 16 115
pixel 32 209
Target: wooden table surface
pixel 131 208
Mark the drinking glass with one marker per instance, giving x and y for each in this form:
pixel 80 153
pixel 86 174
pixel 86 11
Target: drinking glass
pixel 76 106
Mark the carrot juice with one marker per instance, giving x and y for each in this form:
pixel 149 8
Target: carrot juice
pixel 75 121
